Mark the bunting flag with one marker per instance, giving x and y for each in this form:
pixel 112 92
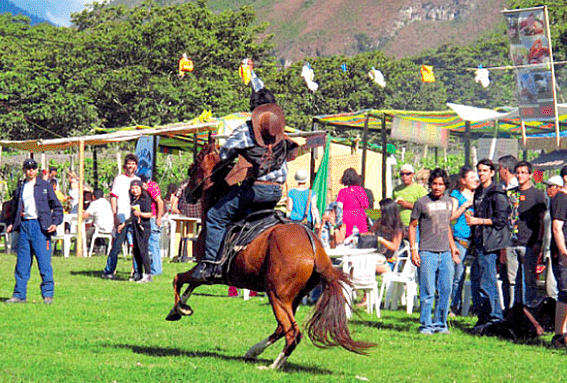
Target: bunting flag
pixel 427 73
pixel 343 67
pixel 481 76
pixel 377 77
pixel 320 185
pixel 308 75
pixel 185 65
pixel 245 70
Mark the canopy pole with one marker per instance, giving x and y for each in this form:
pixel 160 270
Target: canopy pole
pixel 364 145
pixel 312 159
pixel 95 167
pixel 154 158
pixel 384 155
pixel 81 199
pixel 467 143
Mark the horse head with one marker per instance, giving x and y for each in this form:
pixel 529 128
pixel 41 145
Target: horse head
pixel 201 171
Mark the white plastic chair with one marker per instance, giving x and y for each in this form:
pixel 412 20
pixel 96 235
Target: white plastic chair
pixel 66 238
pixel 362 271
pixel 98 234
pixel 400 284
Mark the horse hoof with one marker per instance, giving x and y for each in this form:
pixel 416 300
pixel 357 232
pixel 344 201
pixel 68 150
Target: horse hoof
pixel 263 368
pixel 184 309
pixel 250 359
pixel 173 315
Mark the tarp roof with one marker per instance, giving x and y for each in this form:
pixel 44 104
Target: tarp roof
pixel 134 133
pixel 481 120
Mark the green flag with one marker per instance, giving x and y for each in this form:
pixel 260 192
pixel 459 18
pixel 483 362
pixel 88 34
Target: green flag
pixel 321 179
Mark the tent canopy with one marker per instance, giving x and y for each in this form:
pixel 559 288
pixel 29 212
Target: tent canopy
pixel 102 139
pixel 481 120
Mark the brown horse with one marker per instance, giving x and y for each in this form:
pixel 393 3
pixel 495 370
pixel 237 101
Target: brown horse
pixel 286 261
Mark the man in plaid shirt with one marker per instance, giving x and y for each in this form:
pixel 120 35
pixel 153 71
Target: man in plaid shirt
pixel 263 151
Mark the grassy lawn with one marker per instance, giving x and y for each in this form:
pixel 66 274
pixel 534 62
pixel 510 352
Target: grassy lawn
pixel 114 331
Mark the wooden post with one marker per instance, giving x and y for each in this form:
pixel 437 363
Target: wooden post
pixel 467 138
pixel 81 199
pixel 364 147
pixel 312 159
pixel 95 167
pixel 384 155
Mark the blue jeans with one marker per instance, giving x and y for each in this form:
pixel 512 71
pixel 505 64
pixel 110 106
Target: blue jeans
pixel 33 241
pixel 484 287
pixel 459 278
pixel 435 273
pixel 153 245
pixel 115 250
pixel 245 198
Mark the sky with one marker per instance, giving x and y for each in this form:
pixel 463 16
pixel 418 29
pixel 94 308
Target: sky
pixel 56 11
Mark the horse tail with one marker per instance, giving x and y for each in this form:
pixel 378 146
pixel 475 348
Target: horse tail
pixel 328 326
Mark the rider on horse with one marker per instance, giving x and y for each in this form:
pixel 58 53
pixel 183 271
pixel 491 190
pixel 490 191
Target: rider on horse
pixel 263 150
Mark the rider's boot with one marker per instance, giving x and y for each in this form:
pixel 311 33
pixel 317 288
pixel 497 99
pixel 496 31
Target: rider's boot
pixel 204 272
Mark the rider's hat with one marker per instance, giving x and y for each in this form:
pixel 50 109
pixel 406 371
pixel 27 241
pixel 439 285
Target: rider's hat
pixel 268 121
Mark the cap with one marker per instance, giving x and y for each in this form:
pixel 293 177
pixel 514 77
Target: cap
pixel 29 163
pixel 407 168
pixel 301 175
pixel 554 181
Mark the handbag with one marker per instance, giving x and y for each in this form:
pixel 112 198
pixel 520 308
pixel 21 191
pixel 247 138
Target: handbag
pixel 367 241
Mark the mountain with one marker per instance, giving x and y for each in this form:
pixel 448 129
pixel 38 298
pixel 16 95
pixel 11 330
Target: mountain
pixel 9 7
pixel 399 28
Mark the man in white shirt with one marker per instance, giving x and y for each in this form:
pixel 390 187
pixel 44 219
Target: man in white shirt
pixel 100 212
pixel 120 204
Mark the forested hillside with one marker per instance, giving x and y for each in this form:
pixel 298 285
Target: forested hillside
pixel 118 67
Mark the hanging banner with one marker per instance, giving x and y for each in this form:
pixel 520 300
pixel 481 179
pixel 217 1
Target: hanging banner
pixel 530 51
pixel 145 153
pixel 419 132
pixel 493 148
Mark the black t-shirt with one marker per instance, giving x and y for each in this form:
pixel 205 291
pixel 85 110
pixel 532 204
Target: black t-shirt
pixel 558 211
pixel 530 216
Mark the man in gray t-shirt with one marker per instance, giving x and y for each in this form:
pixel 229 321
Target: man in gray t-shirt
pixel 437 252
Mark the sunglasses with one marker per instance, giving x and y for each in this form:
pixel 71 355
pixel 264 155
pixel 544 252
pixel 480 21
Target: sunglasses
pixel 30 167
pixel 405 174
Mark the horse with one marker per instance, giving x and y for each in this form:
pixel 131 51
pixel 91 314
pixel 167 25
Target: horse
pixel 286 261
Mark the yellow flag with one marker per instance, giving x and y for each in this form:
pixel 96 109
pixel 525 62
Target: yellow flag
pixel 427 73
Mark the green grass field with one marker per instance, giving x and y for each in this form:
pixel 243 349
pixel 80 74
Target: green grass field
pixel 114 331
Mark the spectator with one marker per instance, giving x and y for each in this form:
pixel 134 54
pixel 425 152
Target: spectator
pixel 52 175
pixel 559 259
pixel 522 256
pixel 490 235
pixel 422 177
pixel 462 197
pixel 437 252
pixel 120 203
pixel 369 196
pixel 155 222
pixel 407 193
pixel 100 212
pixel 38 214
pixel 354 200
pixel 167 200
pixel 179 204
pixel 506 165
pixel 553 185
pixel 139 221
pixel 389 231
pixel 296 202
pixel 58 193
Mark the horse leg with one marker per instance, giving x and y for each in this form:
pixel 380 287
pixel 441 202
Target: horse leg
pixel 284 313
pixel 259 348
pixel 180 308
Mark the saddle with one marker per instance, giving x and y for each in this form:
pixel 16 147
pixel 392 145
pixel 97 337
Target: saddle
pixel 241 233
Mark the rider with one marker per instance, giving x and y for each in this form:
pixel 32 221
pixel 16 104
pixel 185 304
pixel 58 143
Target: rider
pixel 263 150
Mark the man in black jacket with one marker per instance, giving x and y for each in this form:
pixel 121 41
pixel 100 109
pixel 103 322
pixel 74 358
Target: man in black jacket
pixel 490 234
pixel 38 213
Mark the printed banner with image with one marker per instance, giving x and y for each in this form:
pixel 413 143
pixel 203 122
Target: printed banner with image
pixel 419 132
pixel 530 50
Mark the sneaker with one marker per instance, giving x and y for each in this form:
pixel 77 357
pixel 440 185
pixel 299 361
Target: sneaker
pixel 107 276
pixel 442 331
pixel 16 300
pixel 147 278
pixel 426 331
pixel 135 278
pixel 48 300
